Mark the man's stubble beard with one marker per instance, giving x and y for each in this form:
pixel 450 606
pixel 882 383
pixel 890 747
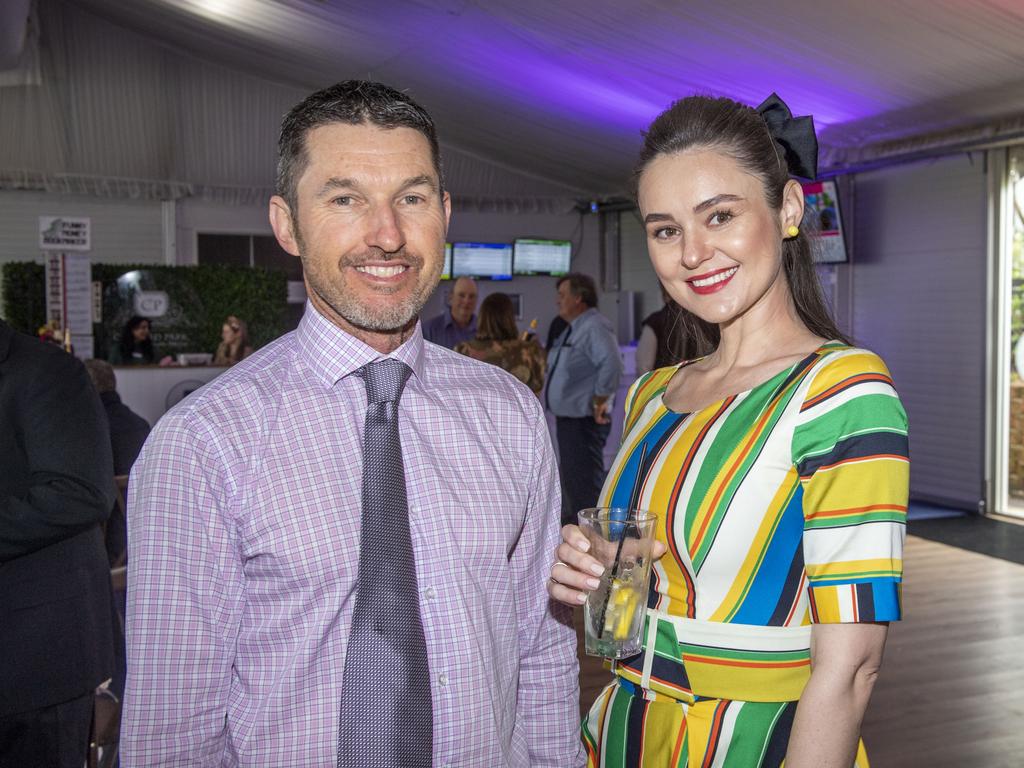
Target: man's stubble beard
pixel 370 317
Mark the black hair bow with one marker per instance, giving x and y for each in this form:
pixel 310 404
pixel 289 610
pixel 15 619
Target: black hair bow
pixel 794 134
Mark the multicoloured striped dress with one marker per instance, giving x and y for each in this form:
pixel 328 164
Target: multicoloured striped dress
pixel 782 506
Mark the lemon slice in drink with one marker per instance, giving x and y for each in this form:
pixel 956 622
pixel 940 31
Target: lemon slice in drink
pixel 622 605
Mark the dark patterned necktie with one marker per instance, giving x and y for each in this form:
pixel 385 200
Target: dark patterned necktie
pixel 386 718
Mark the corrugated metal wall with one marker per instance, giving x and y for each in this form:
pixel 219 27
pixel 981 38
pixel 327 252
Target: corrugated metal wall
pixel 919 301
pixel 123 231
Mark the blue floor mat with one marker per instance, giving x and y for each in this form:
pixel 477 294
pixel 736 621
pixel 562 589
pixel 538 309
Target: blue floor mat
pixel 919 510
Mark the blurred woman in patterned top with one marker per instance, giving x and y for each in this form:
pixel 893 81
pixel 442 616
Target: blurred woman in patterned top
pixel 498 342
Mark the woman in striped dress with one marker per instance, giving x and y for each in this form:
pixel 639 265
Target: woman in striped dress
pixel 776 463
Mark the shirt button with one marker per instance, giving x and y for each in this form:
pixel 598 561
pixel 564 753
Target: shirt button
pixel 442 679
pixel 430 593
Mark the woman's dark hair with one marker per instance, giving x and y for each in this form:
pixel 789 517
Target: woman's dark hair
pixel 739 132
pixel 497 320
pixel 130 345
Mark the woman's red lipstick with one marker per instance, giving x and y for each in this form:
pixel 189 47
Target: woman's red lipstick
pixel 719 279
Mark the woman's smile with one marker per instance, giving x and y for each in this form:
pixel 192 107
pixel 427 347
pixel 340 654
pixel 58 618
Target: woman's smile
pixel 710 282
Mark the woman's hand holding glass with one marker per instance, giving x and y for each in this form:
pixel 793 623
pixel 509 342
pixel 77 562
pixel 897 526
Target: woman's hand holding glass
pixel 577 569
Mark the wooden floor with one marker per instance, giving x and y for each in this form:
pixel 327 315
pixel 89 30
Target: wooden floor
pixel 951 693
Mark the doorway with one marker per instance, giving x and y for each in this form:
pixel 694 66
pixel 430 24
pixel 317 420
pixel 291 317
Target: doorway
pixel 1007 335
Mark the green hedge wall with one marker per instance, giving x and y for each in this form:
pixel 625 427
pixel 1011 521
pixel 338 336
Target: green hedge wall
pixel 23 289
pixel 258 296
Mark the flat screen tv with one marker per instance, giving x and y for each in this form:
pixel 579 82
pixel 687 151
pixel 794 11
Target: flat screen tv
pixel 823 221
pixel 541 257
pixel 484 261
pixel 446 270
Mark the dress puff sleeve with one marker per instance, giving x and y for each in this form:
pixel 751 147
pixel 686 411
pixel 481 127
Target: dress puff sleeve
pixel 850 449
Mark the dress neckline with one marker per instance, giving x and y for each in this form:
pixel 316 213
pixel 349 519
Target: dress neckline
pixel 784 372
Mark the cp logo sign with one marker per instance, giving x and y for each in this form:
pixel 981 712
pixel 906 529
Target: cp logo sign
pixel 151 303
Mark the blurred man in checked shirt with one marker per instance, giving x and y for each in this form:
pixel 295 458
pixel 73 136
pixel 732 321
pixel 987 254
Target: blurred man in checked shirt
pixel 245 506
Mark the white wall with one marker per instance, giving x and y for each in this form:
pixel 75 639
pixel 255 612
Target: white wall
pixel 918 300
pixel 123 231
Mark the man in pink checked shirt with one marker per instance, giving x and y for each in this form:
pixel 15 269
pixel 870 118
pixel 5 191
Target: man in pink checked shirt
pixel 252 505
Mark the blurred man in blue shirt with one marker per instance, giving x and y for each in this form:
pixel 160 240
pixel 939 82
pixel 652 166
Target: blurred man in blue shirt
pixel 458 322
pixel 584 368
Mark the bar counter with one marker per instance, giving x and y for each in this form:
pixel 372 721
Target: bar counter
pixel 150 390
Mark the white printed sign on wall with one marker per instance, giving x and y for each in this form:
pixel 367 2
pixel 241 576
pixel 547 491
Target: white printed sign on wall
pixel 64 233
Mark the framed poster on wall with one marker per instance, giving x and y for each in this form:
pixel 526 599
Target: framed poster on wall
pixel 823 221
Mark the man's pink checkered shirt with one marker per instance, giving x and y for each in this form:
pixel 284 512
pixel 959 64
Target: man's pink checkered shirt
pixel 244 518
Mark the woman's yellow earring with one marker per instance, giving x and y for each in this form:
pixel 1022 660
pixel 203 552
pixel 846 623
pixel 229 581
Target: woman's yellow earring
pixel 792 230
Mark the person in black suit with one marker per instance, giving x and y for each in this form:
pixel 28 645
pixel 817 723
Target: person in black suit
pixel 56 488
pixel 128 430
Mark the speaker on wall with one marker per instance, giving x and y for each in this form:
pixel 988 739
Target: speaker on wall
pixel 610 263
pixel 628 327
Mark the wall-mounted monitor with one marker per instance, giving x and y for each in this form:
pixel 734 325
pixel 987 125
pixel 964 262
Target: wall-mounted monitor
pixel 446 270
pixel 542 257
pixel 485 261
pixel 823 221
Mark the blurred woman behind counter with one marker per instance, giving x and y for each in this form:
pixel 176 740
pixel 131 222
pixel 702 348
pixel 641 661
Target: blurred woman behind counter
pixel 234 345
pixel 136 345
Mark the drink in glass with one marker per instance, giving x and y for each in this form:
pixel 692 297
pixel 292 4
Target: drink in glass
pixel 621 539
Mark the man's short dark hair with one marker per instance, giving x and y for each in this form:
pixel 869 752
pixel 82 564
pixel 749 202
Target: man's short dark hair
pixel 102 375
pixel 582 286
pixel 354 102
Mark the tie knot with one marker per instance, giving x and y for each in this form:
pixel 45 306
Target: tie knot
pixel 385 379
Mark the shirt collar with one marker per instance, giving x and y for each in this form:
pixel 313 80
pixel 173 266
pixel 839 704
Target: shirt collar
pixel 579 319
pixel 332 354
